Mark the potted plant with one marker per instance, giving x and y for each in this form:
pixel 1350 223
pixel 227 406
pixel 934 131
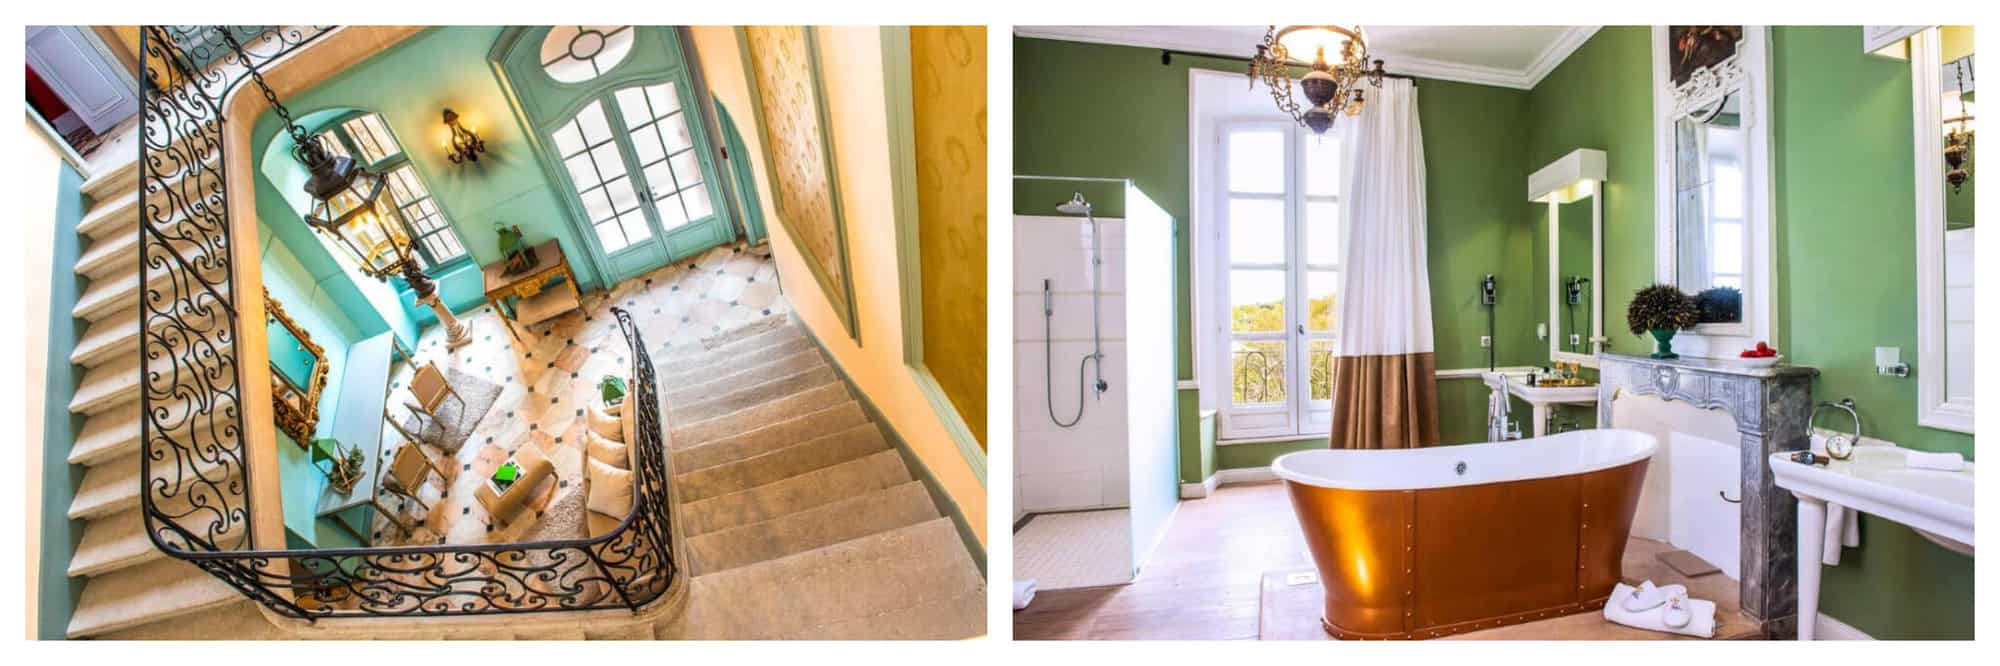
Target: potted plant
pixel 1661 310
pixel 1719 305
pixel 611 389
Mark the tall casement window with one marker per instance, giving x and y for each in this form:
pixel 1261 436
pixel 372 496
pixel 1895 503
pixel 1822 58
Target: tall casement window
pixel 618 124
pixel 1278 203
pixel 367 139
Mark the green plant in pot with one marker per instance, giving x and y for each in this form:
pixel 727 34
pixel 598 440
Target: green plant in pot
pixel 1662 310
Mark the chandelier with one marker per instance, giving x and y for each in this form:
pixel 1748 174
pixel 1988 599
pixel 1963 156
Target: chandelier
pixel 1958 134
pixel 1329 87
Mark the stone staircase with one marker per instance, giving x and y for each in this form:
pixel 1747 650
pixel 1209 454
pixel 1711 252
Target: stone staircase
pixel 800 520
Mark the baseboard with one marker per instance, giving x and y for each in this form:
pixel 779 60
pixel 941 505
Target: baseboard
pixel 918 469
pixel 1830 629
pixel 1226 477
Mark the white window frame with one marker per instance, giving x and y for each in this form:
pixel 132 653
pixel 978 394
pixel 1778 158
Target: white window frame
pixel 343 141
pixel 1298 415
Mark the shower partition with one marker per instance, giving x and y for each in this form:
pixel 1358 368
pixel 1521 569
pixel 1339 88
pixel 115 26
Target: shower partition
pixel 1076 321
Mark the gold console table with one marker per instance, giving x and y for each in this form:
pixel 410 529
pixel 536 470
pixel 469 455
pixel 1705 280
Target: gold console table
pixel 536 303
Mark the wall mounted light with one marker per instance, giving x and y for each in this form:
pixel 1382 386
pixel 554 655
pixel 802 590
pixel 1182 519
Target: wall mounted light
pixel 465 144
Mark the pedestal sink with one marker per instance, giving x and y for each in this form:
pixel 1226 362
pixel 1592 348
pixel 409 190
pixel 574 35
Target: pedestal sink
pixel 1937 504
pixel 1542 398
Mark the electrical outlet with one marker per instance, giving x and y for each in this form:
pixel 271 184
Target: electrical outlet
pixel 1575 339
pixel 1542 331
pixel 1486 342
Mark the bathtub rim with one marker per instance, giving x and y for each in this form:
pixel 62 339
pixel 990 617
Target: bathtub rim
pixel 1646 452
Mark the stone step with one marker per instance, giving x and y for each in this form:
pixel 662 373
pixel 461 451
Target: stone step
pixel 122 178
pixel 107 339
pixel 728 425
pixel 111 217
pixel 758 394
pixel 104 298
pixel 851 518
pixel 798 493
pixel 120 541
pixel 802 457
pixel 117 249
pixel 733 344
pixel 240 621
pixel 107 435
pixel 157 590
pixel 115 486
pixel 749 371
pixel 107 386
pixel 715 366
pixel 768 438
pixel 919 574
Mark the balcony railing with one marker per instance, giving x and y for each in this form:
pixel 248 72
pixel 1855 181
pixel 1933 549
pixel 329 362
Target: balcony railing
pixel 197 501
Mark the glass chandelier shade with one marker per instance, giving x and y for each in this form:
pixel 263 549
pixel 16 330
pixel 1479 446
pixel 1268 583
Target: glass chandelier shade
pixel 345 205
pixel 1330 87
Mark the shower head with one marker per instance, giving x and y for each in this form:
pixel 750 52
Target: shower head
pixel 1075 206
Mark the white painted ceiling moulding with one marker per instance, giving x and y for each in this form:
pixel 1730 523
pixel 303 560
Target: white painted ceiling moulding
pixel 1507 56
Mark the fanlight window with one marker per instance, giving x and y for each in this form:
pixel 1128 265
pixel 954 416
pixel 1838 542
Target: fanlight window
pixel 577 53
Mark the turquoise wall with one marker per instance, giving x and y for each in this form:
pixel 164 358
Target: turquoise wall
pixel 57 593
pixel 310 303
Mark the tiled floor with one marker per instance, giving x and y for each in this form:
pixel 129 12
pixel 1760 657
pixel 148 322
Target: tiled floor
pixel 549 376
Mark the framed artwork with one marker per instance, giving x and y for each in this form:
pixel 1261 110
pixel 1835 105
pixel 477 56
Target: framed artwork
pixel 1697 47
pixel 789 103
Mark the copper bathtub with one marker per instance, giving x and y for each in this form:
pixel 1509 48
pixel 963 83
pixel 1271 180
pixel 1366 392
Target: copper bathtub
pixel 1423 543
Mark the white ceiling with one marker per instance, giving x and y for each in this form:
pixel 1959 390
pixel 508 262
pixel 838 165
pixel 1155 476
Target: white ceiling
pixel 1510 56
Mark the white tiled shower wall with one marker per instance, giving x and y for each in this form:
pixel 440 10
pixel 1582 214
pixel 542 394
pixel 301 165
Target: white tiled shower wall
pixel 1087 465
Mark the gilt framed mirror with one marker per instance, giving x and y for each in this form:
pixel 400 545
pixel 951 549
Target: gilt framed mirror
pixel 298 373
pixel 1572 189
pixel 1712 182
pixel 1942 93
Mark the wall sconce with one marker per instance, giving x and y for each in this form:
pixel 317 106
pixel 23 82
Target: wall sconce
pixel 465 145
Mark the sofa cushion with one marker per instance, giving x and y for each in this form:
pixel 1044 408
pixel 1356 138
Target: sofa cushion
pixel 629 418
pixel 610 489
pixel 605 424
pixel 611 452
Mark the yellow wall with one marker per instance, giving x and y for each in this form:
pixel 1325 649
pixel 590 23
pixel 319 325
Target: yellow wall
pixel 41 166
pixel 851 64
pixel 1954 42
pixel 948 81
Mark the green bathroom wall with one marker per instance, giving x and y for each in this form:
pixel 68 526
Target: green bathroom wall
pixel 1088 110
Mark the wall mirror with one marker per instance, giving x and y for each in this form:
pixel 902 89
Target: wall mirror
pixel 298 373
pixel 1712 150
pixel 1942 93
pixel 1572 188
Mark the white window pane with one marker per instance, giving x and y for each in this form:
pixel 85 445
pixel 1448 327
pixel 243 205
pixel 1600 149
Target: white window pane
pixel 1257 301
pixel 570 70
pixel 596 128
pixel 617 43
pixel 1728 190
pixel 371 137
pixel 609 164
pixel 663 98
pixel 1321 306
pixel 632 107
pixel 597 205
pixel 658 178
pixel 569 139
pixel 1256 231
pixel 1322 233
pixel 581 172
pixel 1319 368
pixel 1257 161
pixel 696 200
pixel 675 131
pixel 687 170
pixel 573 53
pixel 635 226
pixel 646 145
pixel 1322 165
pixel 623 199
pixel 1735 281
pixel 333 145
pixel 1728 244
pixel 1256 372
pixel 610 236
pixel 669 209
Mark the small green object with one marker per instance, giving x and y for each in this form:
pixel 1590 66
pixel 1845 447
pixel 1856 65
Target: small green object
pixel 507 473
pixel 612 388
pixel 1665 350
pixel 510 238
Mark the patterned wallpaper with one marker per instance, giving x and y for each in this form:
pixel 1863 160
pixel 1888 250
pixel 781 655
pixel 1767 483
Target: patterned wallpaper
pixel 781 68
pixel 948 72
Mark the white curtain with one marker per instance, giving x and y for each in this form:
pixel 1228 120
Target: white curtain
pixel 1385 291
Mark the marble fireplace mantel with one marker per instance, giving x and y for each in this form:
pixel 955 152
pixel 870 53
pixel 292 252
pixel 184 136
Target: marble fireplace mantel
pixel 1772 408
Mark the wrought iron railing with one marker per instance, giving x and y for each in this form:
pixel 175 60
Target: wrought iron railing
pixel 1258 376
pixel 196 499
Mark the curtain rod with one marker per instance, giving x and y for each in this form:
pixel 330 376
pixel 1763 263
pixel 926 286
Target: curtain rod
pixel 1167 58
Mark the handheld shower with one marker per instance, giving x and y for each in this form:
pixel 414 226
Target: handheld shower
pixel 1077 205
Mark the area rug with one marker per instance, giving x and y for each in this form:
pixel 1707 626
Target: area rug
pixel 455 421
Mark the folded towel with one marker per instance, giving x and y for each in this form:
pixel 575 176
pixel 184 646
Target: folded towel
pixel 1701 622
pixel 1949 462
pixel 1024 592
pixel 1646 596
pixel 1843 529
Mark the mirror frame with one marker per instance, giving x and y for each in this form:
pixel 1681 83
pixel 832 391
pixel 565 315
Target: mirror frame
pixel 297 421
pixel 1555 185
pixel 1934 408
pixel 1748 73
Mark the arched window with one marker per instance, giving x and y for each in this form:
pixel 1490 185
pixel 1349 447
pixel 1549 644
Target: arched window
pixel 577 53
pixel 368 140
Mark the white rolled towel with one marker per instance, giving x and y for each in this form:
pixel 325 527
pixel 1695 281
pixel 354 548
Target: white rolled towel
pixel 1024 592
pixel 1701 615
pixel 1843 530
pixel 1949 462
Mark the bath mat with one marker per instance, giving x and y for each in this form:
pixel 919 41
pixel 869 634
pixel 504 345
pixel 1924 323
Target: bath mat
pixel 1061 551
pixel 455 421
pixel 1687 564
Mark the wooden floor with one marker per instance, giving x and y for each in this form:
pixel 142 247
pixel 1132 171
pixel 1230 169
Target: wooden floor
pixel 1205 583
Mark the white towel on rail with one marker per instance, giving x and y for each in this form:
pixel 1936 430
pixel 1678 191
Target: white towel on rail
pixel 1843 529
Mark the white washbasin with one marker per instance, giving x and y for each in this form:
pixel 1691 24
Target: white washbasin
pixel 1517 384
pixel 1874 480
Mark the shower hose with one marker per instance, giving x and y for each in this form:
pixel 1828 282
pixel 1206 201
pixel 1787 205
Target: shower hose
pixel 1048 371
